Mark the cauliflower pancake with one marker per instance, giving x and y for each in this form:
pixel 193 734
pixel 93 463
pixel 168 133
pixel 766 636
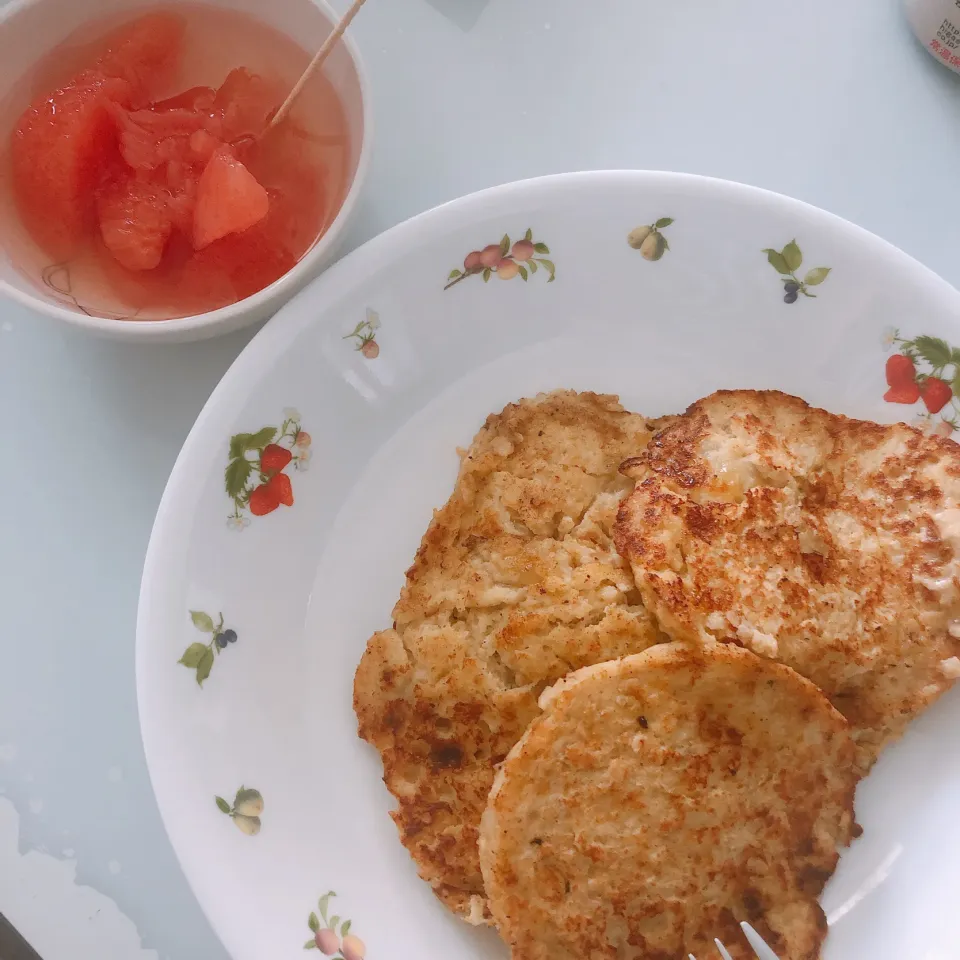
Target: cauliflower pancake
pixel 827 543
pixel 516 583
pixel 662 798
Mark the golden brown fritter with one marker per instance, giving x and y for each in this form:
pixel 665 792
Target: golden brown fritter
pixel 516 583
pixel 827 543
pixel 662 798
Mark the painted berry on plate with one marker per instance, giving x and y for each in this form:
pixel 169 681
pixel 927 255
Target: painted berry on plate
pixel 365 334
pixel 331 934
pixel 200 657
pixel 256 477
pixel 787 262
pixel 505 260
pixel 925 370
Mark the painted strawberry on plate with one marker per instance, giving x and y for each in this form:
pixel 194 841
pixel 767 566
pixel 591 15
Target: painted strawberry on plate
pixel 256 477
pixel 365 335
pixel 925 369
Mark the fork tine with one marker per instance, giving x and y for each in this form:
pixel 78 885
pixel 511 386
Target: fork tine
pixel 723 950
pixel 755 940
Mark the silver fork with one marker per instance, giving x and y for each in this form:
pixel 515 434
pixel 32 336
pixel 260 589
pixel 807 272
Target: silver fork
pixel 753 938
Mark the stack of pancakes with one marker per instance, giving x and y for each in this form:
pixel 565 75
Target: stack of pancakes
pixel 638 668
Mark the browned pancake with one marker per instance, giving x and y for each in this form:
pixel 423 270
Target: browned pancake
pixel 827 543
pixel 661 798
pixel 516 583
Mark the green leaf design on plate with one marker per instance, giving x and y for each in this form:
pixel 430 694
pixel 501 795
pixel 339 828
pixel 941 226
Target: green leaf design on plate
pixel 334 920
pixel 204 666
pixel 541 248
pixel 532 264
pixel 236 475
pixel 777 261
pixel 222 805
pixel 792 255
pixel 663 222
pixel 486 274
pixel 313 922
pixel 450 276
pixel 202 621
pixel 523 272
pixel 310 945
pixel 505 245
pixel 323 902
pixel 345 929
pixel 238 444
pixel 527 236
pixel 935 351
pixel 261 438
pixel 193 655
pixel 549 267
pixel 816 276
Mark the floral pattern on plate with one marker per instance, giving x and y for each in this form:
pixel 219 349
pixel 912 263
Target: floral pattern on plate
pixel 245 810
pixel 925 369
pixel 332 936
pixel 787 262
pixel 200 657
pixel 649 239
pixel 365 335
pixel 255 478
pixel 505 259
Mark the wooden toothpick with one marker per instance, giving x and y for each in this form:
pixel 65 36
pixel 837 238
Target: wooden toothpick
pixel 316 62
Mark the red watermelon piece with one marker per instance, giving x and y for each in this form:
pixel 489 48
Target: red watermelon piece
pixel 229 199
pixel 144 52
pixel 135 222
pixel 150 138
pixel 60 145
pixel 244 104
pixel 195 99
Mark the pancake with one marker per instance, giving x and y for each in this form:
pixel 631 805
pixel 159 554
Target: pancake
pixel 826 543
pixel 660 799
pixel 515 584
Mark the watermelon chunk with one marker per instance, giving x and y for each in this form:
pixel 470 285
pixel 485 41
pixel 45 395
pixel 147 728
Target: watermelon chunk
pixel 144 52
pixel 195 99
pixel 148 138
pixel 229 199
pixel 135 222
pixel 244 104
pixel 202 146
pixel 60 145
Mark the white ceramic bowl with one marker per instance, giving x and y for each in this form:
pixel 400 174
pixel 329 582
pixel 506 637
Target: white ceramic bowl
pixel 30 28
pixel 305 585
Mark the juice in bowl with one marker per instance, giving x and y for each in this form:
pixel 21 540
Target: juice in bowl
pixel 143 191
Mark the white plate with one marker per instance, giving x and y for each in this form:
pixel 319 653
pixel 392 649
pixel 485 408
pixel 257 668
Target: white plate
pixel 304 586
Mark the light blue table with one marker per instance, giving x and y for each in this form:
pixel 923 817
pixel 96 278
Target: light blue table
pixel 832 103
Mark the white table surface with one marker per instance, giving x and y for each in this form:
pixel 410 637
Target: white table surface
pixel 834 103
